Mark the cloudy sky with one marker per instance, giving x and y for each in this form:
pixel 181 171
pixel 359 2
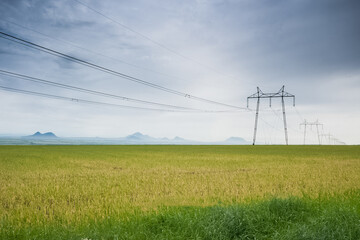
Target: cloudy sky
pixel 219 50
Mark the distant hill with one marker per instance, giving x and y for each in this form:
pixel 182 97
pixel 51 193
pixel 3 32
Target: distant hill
pixel 140 137
pixel 236 141
pixel 47 138
pixel 180 140
pixel 42 135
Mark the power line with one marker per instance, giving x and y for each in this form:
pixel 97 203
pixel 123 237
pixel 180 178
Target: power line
pixel 107 70
pixel 270 125
pixel 96 102
pixel 85 63
pixel 91 51
pixel 65 86
pixel 78 100
pixel 148 38
pixel 299 114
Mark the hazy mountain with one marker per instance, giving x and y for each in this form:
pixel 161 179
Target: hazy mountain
pixel 135 138
pixel 236 140
pixel 180 140
pixel 146 139
pixel 139 137
pixel 43 135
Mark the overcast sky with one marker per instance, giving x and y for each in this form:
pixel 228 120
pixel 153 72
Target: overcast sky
pixel 220 50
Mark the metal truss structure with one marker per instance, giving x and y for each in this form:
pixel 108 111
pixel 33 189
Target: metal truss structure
pixel 316 123
pixel 280 94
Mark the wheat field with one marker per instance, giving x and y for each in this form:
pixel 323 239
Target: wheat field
pixel 61 186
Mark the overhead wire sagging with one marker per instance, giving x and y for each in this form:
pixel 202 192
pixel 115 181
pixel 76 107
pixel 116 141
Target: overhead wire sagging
pixel 21 91
pixel 172 51
pixel 91 50
pixel 87 101
pixel 109 71
pixel 99 93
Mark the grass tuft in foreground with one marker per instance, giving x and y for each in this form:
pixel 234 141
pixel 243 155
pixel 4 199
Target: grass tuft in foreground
pixel 291 218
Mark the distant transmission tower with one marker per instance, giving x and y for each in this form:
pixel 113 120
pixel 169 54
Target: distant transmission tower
pixel 338 142
pixel 280 94
pixel 332 140
pixel 327 136
pixel 316 123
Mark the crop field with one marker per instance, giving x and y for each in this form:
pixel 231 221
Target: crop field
pixel 179 192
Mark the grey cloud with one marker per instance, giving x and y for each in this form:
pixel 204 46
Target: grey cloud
pixel 302 38
pixel 72 24
pixel 305 45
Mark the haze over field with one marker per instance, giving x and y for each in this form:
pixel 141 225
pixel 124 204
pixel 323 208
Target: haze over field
pixel 50 138
pixel 219 50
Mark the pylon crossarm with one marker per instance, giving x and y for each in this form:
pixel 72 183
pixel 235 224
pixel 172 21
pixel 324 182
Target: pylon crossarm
pixel 271 95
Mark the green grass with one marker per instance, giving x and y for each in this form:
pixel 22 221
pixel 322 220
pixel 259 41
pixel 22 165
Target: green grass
pixel 179 192
pixel 291 218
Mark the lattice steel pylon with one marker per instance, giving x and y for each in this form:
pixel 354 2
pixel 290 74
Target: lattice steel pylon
pixel 280 94
pixel 327 136
pixel 316 123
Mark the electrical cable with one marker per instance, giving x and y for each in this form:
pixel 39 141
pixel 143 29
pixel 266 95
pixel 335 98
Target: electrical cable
pixel 149 39
pixel 42 81
pixel 299 114
pixel 94 102
pixel 107 70
pixel 104 103
pixel 91 51
pixel 77 99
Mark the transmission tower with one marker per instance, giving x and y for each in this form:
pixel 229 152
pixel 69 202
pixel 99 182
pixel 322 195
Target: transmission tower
pixel 316 123
pixel 332 140
pixel 338 142
pixel 328 137
pixel 280 94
